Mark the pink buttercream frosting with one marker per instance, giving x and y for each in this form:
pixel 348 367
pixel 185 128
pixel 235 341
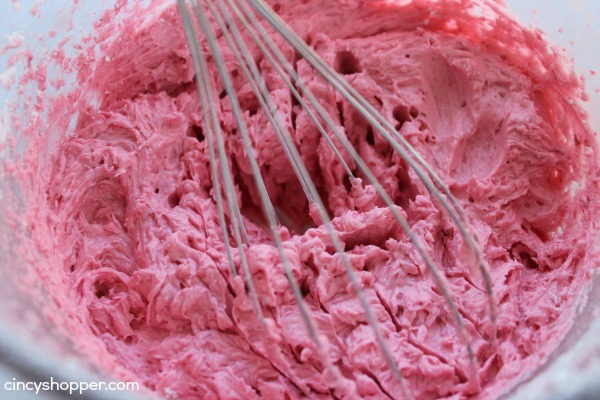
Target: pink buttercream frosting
pixel 125 211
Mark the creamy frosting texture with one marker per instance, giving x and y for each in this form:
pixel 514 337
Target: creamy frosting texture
pixel 133 237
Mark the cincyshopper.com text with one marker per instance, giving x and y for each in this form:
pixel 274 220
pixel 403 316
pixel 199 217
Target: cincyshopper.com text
pixel 71 387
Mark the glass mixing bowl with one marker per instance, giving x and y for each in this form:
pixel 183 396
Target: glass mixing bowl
pixel 35 348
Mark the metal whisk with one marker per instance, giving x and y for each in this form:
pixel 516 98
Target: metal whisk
pixel 255 17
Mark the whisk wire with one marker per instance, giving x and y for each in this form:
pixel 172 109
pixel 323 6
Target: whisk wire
pixel 437 276
pixel 194 46
pixel 317 114
pixel 212 126
pixel 250 69
pixel 266 203
pixel 385 128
